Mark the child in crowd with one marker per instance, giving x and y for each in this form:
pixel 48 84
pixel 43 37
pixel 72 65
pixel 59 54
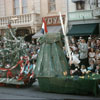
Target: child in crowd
pixel 83 69
pixel 74 69
pixel 97 70
pixel 92 67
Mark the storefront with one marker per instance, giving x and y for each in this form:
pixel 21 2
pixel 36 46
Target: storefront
pixel 84 30
pixel 53 25
pixel 83 23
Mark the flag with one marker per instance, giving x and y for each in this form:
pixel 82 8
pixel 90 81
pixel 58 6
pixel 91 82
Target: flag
pixel 9 25
pixel 44 27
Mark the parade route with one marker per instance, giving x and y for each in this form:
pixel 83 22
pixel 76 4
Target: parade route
pixel 35 94
pixel 50 49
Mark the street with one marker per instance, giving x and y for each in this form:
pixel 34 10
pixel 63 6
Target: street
pixel 34 93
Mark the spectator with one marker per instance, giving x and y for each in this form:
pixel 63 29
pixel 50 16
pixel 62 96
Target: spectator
pixel 97 70
pixel 97 44
pixel 83 69
pixel 97 56
pixel 92 66
pixel 74 69
pixel 83 50
pixel 89 42
pixel 93 43
pixel 92 55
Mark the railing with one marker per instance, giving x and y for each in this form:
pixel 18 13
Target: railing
pixel 19 20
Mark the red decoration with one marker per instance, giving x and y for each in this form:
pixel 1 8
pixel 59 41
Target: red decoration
pixel 9 25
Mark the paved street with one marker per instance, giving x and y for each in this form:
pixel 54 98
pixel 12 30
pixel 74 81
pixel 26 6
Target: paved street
pixel 36 94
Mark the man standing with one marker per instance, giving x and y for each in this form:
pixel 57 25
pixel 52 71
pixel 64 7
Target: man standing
pixel 83 50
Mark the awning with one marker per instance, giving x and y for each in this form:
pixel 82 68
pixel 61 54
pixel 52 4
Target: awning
pixel 51 29
pixel 78 0
pixel 83 30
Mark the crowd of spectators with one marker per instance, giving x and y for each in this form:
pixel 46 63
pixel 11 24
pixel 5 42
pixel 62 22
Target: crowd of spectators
pixel 85 55
pixel 32 51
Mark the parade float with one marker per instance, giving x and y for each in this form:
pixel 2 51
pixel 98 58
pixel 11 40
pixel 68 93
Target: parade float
pixel 52 70
pixel 15 64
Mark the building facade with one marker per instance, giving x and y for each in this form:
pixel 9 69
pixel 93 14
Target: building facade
pixel 83 12
pixel 27 14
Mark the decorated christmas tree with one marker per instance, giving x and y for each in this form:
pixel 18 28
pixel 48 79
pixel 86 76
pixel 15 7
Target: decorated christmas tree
pixel 12 48
pixel 13 56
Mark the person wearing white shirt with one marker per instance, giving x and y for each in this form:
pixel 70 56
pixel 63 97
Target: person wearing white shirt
pixel 83 52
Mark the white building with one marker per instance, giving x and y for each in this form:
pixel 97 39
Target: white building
pixel 83 12
pixel 27 14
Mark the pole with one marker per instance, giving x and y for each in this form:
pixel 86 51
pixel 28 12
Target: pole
pixel 67 16
pixel 66 38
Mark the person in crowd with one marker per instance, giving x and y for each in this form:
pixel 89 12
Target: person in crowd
pixel 97 70
pixel 98 62
pixel 91 54
pixel 89 42
pixel 83 52
pixel 73 40
pixel 34 65
pixel 83 69
pixel 74 69
pixel 74 65
pixel 76 53
pixel 38 50
pixel 34 55
pixel 91 67
pixel 97 44
pixel 97 55
pixel 74 47
pixel 93 43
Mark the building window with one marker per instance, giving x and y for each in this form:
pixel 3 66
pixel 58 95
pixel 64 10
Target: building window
pixel 20 7
pixel 80 5
pixel 16 7
pixel 24 6
pixel 52 5
pixel 98 3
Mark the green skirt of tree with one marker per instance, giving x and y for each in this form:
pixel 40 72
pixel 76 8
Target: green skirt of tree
pixel 51 60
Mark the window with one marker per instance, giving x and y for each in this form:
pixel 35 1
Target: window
pixel 80 5
pixel 16 7
pixel 52 5
pixel 94 4
pixel 98 3
pixel 20 7
pixel 24 6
